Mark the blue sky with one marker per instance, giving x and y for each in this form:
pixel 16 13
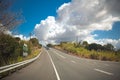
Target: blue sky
pixel 34 11
pixel 111 34
pixel 63 20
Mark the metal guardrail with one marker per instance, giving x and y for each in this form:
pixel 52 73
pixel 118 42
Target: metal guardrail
pixel 16 65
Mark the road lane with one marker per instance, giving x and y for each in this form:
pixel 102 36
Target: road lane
pixel 56 65
pixel 73 68
pixel 41 69
pixel 93 63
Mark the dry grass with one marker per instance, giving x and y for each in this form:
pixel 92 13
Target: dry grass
pixel 82 52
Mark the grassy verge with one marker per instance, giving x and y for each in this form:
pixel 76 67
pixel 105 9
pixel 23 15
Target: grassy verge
pixel 30 56
pixel 34 53
pixel 82 52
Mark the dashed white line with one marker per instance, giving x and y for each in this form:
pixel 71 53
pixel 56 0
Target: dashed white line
pixel 73 61
pixel 105 72
pixel 58 78
pixel 60 55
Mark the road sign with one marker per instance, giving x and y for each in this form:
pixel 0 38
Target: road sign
pixel 25 50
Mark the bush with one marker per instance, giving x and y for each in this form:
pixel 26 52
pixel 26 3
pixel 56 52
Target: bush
pixel 93 52
pixel 10 49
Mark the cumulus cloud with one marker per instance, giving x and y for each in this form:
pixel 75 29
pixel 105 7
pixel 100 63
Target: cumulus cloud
pixel 48 29
pixel 79 18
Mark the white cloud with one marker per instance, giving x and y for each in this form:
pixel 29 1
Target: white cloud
pixel 8 32
pixel 22 37
pixel 48 28
pixel 100 14
pixel 78 18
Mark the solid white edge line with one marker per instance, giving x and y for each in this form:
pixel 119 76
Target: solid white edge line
pixel 23 63
pixel 58 78
pixel 103 72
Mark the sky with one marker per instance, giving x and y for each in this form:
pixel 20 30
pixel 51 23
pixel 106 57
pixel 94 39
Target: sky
pixel 34 11
pixel 53 21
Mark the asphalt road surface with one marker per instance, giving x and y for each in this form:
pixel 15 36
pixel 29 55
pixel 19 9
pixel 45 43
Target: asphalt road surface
pixel 56 65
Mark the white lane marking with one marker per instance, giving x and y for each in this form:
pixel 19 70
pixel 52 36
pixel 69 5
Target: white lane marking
pixel 58 78
pixel 105 72
pixel 60 55
pixel 73 61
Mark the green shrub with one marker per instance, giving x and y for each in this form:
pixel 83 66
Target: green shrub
pixel 93 54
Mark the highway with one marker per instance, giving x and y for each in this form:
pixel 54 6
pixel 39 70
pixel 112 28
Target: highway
pixel 56 65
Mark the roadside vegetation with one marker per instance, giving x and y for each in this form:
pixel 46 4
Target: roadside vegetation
pixel 11 49
pixel 91 51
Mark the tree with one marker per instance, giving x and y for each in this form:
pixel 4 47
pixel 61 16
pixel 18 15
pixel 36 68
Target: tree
pixel 34 41
pixel 85 43
pixel 8 19
pixel 109 47
pixel 49 45
pixel 95 46
pixel 17 39
pixel 9 48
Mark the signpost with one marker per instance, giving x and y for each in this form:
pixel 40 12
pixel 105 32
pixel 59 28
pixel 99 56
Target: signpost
pixel 25 50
